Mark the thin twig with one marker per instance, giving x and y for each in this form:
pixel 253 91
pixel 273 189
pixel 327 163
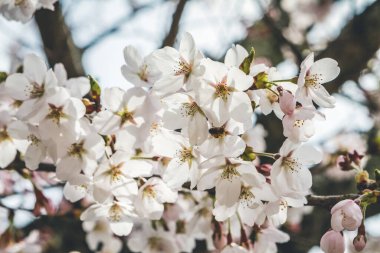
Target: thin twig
pixel 172 34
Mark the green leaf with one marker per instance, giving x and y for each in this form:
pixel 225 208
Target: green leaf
pixel 3 76
pixel 95 90
pixel 246 64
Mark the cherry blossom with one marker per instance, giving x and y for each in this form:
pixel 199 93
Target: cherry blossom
pixel 179 69
pixel 310 80
pixel 289 172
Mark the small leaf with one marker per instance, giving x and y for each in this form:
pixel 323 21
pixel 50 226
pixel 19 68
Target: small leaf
pixel 246 64
pixel 3 76
pixel 92 99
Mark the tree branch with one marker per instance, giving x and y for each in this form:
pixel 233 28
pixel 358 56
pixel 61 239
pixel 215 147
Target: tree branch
pixel 58 42
pixel 328 201
pixel 172 34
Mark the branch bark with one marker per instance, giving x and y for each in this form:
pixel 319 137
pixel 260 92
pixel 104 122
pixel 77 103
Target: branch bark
pixel 172 34
pixel 58 42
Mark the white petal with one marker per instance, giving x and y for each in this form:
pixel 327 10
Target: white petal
pixel 34 68
pixel 8 153
pixel 327 69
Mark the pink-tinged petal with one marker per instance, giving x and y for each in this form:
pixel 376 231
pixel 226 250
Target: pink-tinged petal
pixel 287 103
pixel 34 68
pixel 187 47
pixel 308 61
pixel 134 98
pixel 326 69
pixel 209 178
pixel 336 221
pixel 222 212
pixel 341 204
pixel 7 152
pixel 113 98
pixel 106 122
pixel 78 86
pixel 132 58
pixel 138 168
pixel 287 147
pixel 332 242
pixel 228 191
pixel 34 155
pixel 18 87
pixel 122 228
pixel 60 72
pixel 197 129
pixel 73 193
pixel 238 79
pixel 308 155
pixel 235 56
pixel 321 97
pixel 241 112
pixel 168 84
pixel 176 174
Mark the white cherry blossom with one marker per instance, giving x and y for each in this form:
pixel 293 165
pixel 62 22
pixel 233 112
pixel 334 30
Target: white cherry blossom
pixel 310 80
pixel 179 69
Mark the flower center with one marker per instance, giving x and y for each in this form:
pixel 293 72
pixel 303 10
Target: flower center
pixel 246 197
pixel 186 154
pixel 313 81
pixel 149 192
pixel 229 171
pixel 291 164
pixel 33 139
pixel 272 97
pixel 222 90
pixel 143 74
pixel 126 116
pixel 298 123
pixel 4 136
pixel 56 113
pixel 77 150
pixel 115 212
pixel 37 90
pixel 189 109
pixel 115 172
pixel 183 68
pixel 19 2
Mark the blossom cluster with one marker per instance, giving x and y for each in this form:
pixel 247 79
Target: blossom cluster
pixel 175 158
pixel 23 10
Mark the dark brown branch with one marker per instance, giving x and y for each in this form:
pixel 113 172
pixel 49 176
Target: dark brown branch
pixel 172 34
pixel 58 42
pixel 328 201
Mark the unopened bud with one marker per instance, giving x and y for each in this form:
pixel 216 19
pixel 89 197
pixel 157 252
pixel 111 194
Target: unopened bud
pixel 359 242
pixel 264 169
pixel 332 242
pixel 220 241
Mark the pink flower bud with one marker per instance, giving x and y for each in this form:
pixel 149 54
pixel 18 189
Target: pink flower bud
pixel 220 241
pixel 359 242
pixel 287 103
pixel 332 242
pixel 346 214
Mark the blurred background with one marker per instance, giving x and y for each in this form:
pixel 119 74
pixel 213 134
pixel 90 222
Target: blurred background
pixel 88 37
